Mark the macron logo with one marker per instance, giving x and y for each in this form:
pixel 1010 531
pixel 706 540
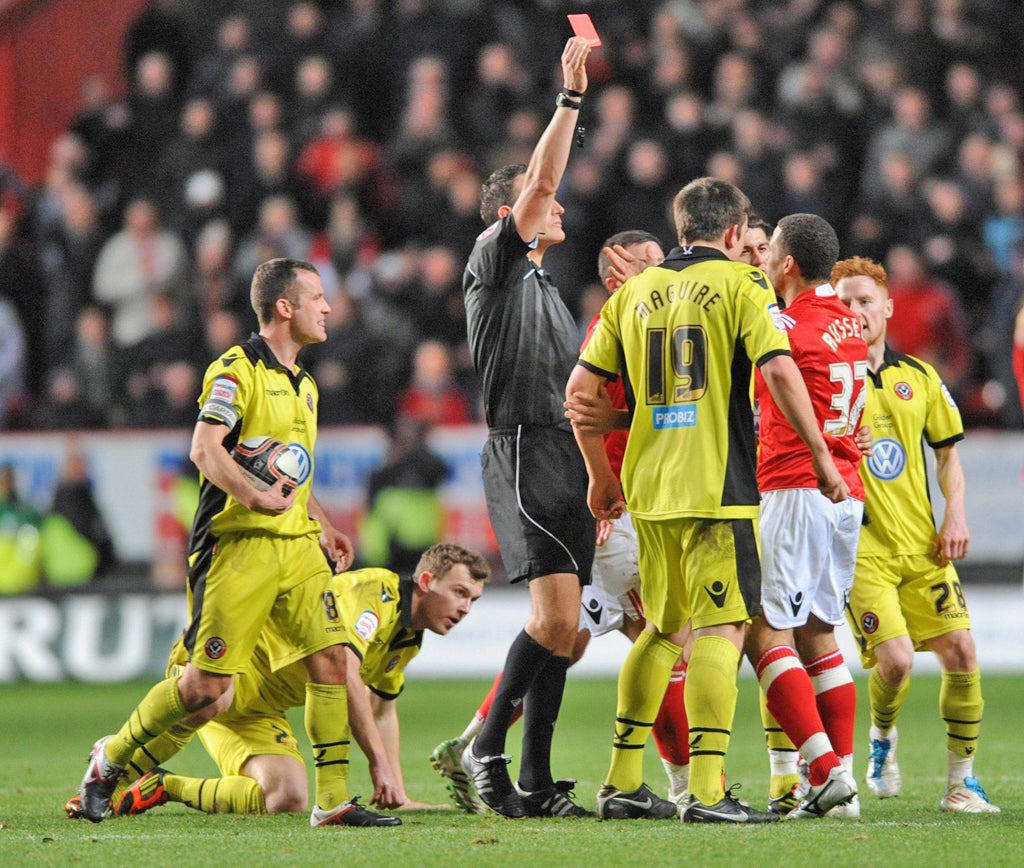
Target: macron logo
pixel 684 416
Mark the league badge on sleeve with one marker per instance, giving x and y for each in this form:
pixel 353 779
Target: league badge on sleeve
pixel 948 397
pixel 367 625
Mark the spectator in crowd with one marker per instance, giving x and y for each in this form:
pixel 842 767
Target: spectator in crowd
pixel 12 361
pixel 348 367
pixel 313 93
pixel 265 169
pixel 502 84
pixel 931 325
pixel 278 231
pixel 161 27
pixel 19 536
pixel 64 407
pixel 195 147
pixel 336 158
pixel 913 131
pixel 404 509
pixel 67 257
pixel 136 265
pixel 234 35
pixel 171 399
pixel 93 360
pixel 74 502
pixel 153 110
pixel 897 200
pixel 438 305
pixel 433 398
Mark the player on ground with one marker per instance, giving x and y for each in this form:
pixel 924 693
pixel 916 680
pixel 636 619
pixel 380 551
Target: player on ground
pixel 381 617
pixel 612 601
pixel 906 594
pixel 687 333
pixel 809 544
pixel 255 557
pixel 521 336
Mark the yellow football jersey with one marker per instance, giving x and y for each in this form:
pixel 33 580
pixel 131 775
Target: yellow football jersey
pixel 686 335
pixel 906 402
pixel 250 392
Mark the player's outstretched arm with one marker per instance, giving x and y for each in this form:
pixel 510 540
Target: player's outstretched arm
pixel 790 392
pixel 387 788
pixel 954 537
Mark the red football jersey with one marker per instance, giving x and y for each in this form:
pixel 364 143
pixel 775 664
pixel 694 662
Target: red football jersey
pixel 614 443
pixel 1018 370
pixel 827 346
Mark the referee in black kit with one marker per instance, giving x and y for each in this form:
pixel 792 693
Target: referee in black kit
pixel 525 343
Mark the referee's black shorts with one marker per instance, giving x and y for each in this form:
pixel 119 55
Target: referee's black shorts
pixel 536 487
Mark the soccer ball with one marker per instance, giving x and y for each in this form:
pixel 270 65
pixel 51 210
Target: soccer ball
pixel 265 460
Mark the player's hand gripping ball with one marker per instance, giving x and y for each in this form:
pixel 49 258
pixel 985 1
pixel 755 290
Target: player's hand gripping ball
pixel 265 460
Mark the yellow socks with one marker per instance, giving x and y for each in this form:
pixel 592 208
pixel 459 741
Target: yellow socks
pixel 158 711
pixel 710 706
pixel 886 701
pixel 642 681
pixel 232 795
pixel 154 754
pixel 960 705
pixel 328 731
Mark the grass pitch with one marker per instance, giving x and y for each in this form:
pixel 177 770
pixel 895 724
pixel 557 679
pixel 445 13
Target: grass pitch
pixel 48 729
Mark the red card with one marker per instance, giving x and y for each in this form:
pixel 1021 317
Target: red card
pixel 583 26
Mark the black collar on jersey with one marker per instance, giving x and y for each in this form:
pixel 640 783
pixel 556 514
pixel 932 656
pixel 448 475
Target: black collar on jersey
pixel 680 257
pixel 405 592
pixel 891 358
pixel 257 349
pixel 407 637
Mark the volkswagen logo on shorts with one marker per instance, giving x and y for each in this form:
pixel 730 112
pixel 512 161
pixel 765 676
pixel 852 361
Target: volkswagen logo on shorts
pixel 889 459
pixel 305 462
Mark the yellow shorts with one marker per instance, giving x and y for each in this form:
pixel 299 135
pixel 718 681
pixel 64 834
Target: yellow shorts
pixel 904 595
pixel 251 726
pixel 233 740
pixel 259 582
pixel 707 570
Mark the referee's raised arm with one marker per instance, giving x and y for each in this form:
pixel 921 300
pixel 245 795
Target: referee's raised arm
pixel 546 166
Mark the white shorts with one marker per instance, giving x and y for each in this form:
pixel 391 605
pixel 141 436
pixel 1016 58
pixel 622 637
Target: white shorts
pixel 808 556
pixel 614 592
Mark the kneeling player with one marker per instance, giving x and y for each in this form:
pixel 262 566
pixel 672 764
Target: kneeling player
pixel 381 619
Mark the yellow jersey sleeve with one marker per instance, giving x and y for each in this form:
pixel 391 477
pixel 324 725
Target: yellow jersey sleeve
pixel 227 388
pixel 943 424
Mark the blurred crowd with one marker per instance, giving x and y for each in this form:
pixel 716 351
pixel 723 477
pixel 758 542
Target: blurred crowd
pixel 355 133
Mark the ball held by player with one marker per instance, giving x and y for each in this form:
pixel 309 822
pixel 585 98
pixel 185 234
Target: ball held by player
pixel 265 460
